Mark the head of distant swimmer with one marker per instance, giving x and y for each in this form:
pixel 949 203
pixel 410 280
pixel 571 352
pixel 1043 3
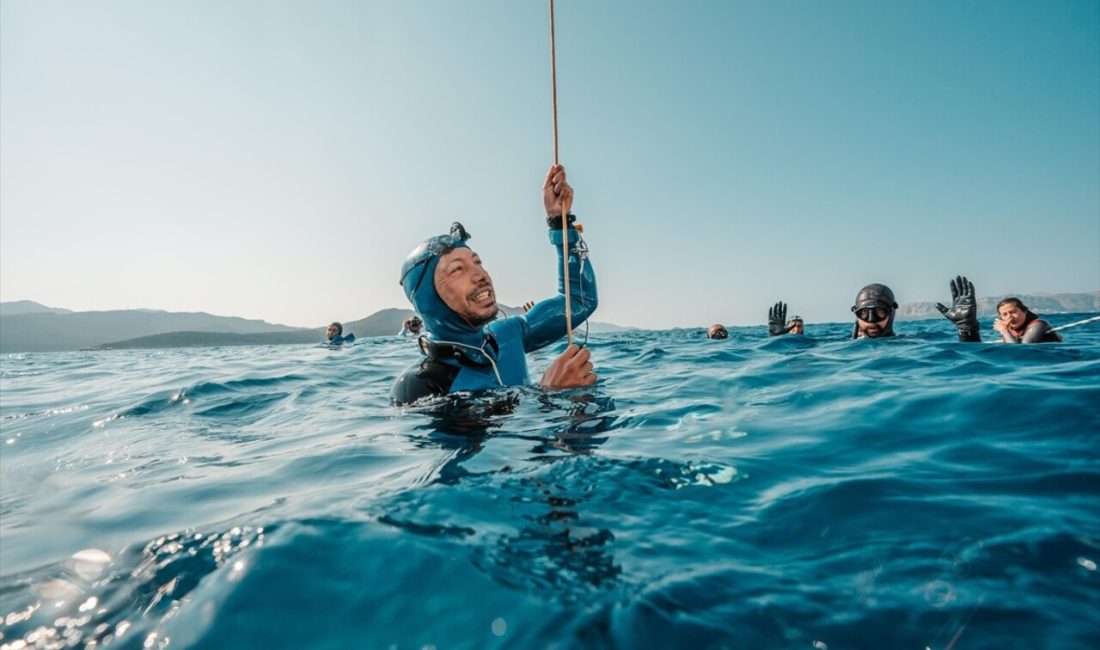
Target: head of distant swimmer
pixel 334 330
pixel 796 326
pixel 1013 312
pixel 466 287
pixel 414 324
pixel 717 331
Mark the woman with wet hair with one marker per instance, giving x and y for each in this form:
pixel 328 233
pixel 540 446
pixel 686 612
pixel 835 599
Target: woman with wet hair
pixel 1018 324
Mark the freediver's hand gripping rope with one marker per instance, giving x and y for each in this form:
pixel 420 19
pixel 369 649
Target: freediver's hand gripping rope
pixel 564 207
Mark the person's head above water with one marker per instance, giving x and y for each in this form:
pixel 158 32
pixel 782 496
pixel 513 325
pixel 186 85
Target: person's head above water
pixel 717 331
pixel 795 325
pixel 447 285
pixel 334 330
pixel 413 324
pixel 1018 324
pixel 874 309
pixel 1013 312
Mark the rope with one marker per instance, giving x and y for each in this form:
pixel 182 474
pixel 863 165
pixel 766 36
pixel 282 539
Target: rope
pixel 1077 324
pixel 564 208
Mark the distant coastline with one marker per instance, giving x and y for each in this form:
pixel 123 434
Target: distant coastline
pixel 27 326
pixel 1043 303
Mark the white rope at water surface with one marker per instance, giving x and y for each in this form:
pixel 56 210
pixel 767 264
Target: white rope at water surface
pixel 1077 324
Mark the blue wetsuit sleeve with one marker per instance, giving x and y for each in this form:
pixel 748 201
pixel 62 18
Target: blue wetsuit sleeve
pixel 545 322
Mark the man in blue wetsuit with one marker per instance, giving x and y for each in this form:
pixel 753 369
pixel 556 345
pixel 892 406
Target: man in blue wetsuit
pixel 467 349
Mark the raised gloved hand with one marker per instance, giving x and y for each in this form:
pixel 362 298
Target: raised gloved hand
pixel 964 309
pixel 777 319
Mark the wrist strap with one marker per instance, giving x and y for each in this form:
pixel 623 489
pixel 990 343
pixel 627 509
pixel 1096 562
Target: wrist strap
pixel 554 221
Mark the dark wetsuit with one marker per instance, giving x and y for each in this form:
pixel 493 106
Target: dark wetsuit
pixel 1035 330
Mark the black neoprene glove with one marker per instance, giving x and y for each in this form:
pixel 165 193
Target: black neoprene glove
pixel 964 310
pixel 777 319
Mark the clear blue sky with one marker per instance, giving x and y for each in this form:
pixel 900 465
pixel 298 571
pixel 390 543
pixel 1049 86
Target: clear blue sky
pixel 277 160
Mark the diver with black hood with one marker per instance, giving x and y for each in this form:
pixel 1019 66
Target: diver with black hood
pixel 467 348
pixel 875 309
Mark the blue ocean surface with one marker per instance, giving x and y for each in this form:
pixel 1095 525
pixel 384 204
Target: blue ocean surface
pixel 792 492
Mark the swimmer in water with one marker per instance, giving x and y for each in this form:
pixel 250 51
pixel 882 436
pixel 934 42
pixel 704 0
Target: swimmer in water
pixel 1018 324
pixel 875 308
pixel 717 331
pixel 778 323
pixel 411 326
pixel 467 348
pixel 796 326
pixel 335 334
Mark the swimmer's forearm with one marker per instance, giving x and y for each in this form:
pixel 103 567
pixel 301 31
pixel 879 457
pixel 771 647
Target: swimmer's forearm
pixel 583 295
pixel 545 322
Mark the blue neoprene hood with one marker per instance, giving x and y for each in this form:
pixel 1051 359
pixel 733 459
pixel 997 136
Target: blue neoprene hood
pixel 418 281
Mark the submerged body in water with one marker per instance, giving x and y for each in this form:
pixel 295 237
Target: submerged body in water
pixel 807 491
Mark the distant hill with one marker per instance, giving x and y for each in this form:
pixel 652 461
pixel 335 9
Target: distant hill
pixel 1041 303
pixel 213 339
pixel 28 326
pixel 607 328
pixel 16 307
pixel 44 332
pixel 385 322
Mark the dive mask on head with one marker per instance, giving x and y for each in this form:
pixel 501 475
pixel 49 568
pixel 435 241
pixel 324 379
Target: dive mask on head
pixel 874 297
pixel 418 281
pixel 875 304
pixel 428 250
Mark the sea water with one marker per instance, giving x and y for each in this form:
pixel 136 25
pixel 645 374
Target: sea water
pixel 791 492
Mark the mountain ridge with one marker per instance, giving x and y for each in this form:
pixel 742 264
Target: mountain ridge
pixel 28 326
pixel 1042 303
pixel 34 327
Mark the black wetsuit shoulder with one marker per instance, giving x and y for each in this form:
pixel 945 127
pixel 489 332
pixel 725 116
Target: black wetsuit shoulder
pixel 425 378
pixel 1045 333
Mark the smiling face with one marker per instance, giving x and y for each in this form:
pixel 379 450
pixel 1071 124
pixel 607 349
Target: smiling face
pixel 1012 315
pixel 465 286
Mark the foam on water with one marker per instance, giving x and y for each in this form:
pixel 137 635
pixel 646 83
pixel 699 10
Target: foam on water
pixel 789 492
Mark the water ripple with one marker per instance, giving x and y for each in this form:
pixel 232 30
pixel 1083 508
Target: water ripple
pixel 809 492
